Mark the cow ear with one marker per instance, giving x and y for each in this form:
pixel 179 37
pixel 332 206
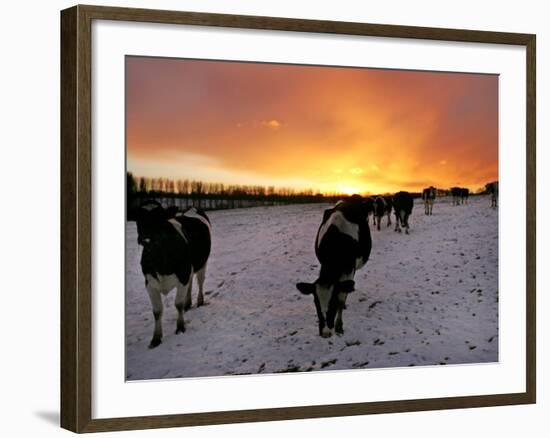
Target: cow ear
pixel 346 286
pixel 306 288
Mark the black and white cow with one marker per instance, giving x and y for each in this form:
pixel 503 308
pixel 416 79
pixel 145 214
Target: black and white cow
pixel 343 245
pixel 464 193
pixel 389 207
pixel 402 207
pixel 428 195
pixel 172 211
pixel 456 193
pixel 379 210
pixel 175 248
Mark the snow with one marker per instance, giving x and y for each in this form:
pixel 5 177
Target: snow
pixel 427 298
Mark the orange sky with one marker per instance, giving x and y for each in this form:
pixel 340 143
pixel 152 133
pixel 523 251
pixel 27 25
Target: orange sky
pixel 326 128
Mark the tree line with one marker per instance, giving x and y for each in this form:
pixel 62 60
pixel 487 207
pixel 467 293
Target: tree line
pixel 215 196
pixel 184 193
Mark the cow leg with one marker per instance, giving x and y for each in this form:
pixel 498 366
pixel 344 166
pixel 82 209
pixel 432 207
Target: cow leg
pixel 397 222
pixel 156 303
pixel 405 221
pixel 339 323
pixel 182 295
pixel 378 222
pixel 201 275
pixel 389 219
pixel 188 300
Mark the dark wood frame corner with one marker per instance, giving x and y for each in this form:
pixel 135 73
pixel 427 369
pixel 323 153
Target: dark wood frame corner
pixel 76 173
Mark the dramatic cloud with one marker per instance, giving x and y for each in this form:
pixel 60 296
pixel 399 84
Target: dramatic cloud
pixel 348 129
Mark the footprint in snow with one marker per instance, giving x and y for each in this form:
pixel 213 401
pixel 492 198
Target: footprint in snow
pixel 328 363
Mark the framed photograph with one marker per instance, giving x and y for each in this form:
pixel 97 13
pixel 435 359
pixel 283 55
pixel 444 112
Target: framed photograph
pixel 269 218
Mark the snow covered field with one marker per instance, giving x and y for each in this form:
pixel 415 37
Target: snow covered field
pixel 427 298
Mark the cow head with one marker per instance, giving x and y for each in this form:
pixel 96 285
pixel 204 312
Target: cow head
pixel 150 214
pixel 328 298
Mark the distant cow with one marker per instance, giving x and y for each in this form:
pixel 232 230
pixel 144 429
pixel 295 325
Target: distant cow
pixel 342 246
pixel 369 207
pixel 402 207
pixel 379 210
pixel 464 193
pixel 428 195
pixel 175 248
pixel 389 207
pixel 456 192
pixel 492 188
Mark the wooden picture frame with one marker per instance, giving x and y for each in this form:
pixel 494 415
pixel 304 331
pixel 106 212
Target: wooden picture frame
pixel 76 217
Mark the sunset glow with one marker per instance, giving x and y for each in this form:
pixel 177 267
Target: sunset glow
pixel 329 129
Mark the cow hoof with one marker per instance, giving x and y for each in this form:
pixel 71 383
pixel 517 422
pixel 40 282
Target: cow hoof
pixel 180 328
pixel 200 303
pixel 187 306
pixel 155 342
pixel 406 231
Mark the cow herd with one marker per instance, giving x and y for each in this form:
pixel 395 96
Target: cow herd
pixel 176 246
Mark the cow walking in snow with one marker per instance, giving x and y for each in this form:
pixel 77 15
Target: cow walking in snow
pixel 492 188
pixel 402 207
pixel 369 207
pixel 342 246
pixel 428 195
pixel 379 210
pixel 175 248
pixel 464 193
pixel 456 193
pixel 389 207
